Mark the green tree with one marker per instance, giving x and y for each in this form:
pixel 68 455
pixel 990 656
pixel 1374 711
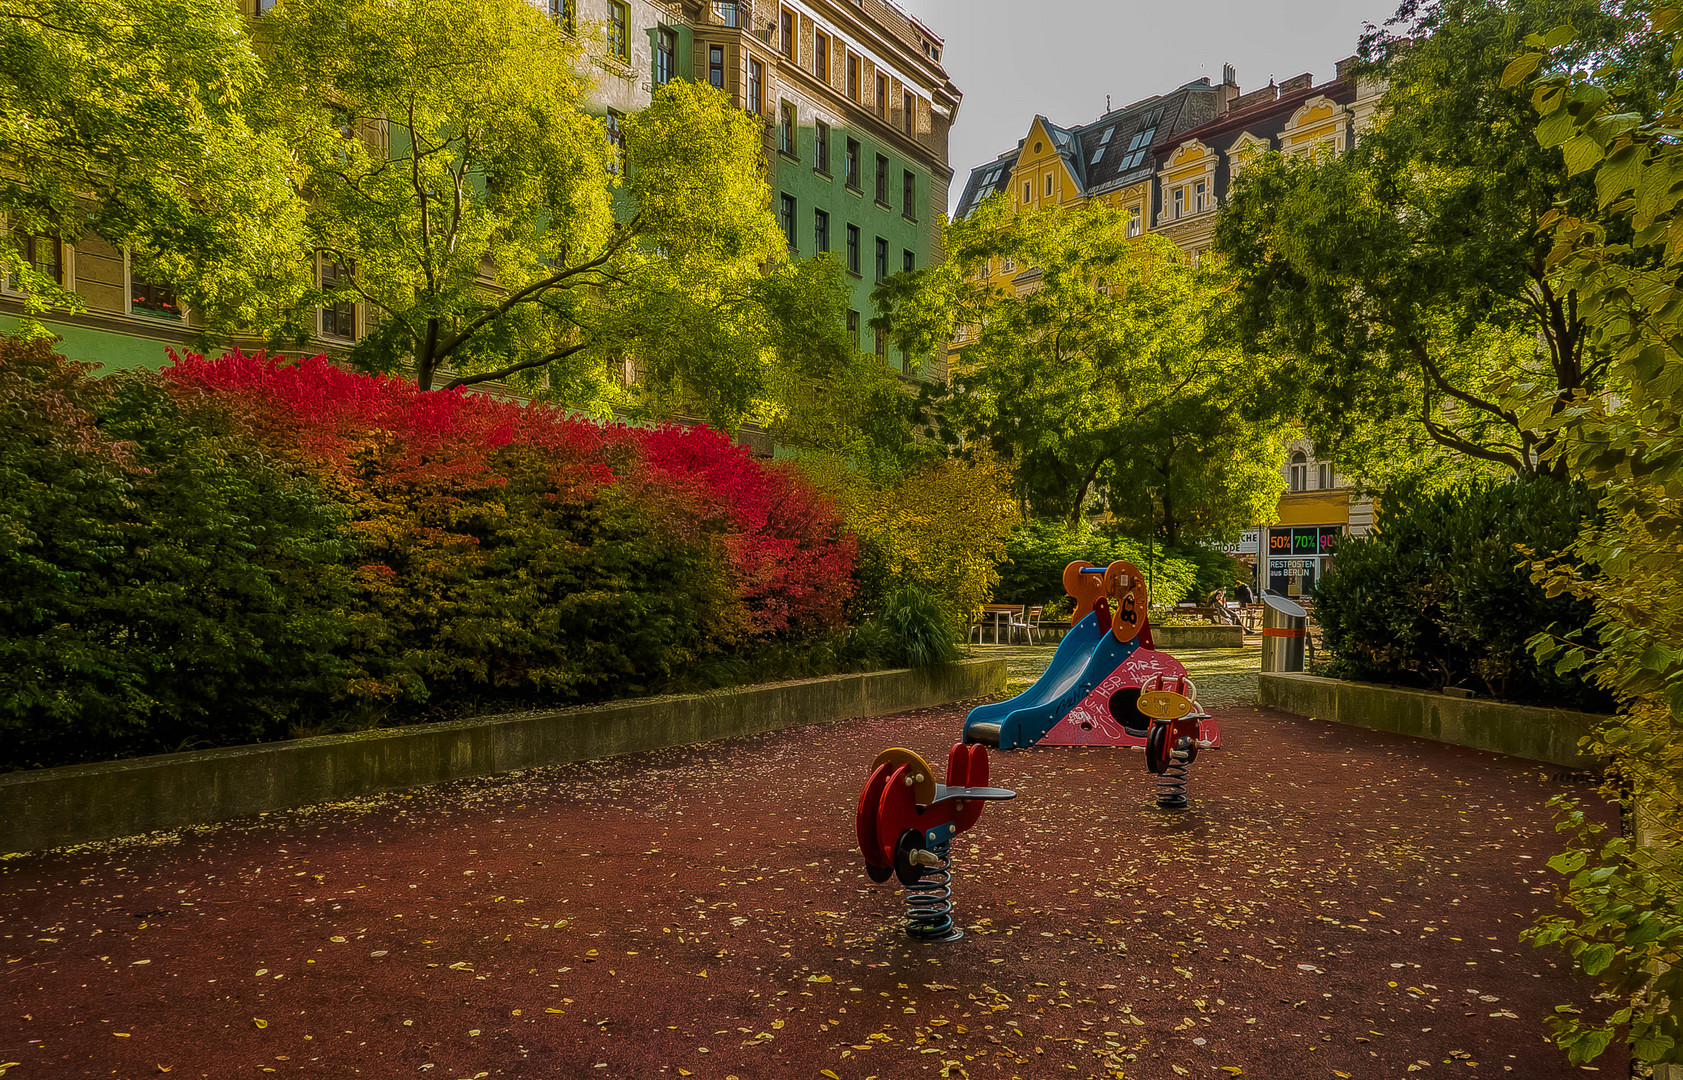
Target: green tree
pixel 1406 280
pixel 128 118
pixel 1100 378
pixel 1621 255
pixel 497 232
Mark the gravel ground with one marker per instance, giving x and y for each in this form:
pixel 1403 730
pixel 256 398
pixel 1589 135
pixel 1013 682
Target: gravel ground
pixel 1338 903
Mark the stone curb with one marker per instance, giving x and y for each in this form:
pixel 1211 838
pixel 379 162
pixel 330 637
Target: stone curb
pixel 1547 735
pixel 78 803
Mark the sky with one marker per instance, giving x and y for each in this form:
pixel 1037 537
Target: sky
pixel 1015 58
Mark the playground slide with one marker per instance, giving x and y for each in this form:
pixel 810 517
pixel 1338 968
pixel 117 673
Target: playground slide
pixel 1069 662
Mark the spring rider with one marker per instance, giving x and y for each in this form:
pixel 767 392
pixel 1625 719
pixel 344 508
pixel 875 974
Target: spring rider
pixel 906 824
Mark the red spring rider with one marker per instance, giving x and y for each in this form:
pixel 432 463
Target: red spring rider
pixel 1179 728
pixel 907 821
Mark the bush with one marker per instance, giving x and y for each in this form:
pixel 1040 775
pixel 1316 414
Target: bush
pixel 1441 595
pixel 1039 550
pixel 238 549
pixel 165 582
pixel 920 626
pixel 940 530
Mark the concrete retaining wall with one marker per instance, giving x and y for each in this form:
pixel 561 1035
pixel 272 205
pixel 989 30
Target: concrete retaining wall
pixel 1549 735
pixel 1212 636
pixel 51 807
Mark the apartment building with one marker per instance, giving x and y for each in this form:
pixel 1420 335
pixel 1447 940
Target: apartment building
pixel 858 108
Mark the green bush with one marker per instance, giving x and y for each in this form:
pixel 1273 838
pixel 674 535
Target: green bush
pixel 920 626
pixel 165 584
pixel 1039 550
pixel 1440 594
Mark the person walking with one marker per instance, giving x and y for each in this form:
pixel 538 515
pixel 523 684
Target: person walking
pixel 1243 594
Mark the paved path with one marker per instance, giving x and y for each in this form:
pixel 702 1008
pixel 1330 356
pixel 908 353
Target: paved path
pixel 1223 676
pixel 1339 903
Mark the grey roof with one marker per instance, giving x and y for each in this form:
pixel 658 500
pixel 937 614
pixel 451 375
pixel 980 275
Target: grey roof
pixel 1112 151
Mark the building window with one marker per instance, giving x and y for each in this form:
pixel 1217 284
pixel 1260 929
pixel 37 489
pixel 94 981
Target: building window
pixel 726 10
pixel 853 164
pixel 882 258
pixel 716 66
pixel 821 147
pixel 1180 201
pixel 853 77
pixel 908 261
pixel 666 55
pixel 1134 222
pixel 619 30
pixel 1198 194
pixel 153 299
pixel 853 327
pixel 882 180
pixel 1298 472
pixel 338 320
pixel 786 129
pixel 44 253
pixel 908 194
pixel 1007 265
pixel 1048 185
pixel 616 141
pixel 1323 476
pixel 882 344
pixel 853 249
pixel 821 56
pixel 1028 192
pixel 911 114
pixel 756 87
pixel 786 30
pixel 564 12
pixel 262 7
pixel 881 101
pixel 821 231
pixel 786 218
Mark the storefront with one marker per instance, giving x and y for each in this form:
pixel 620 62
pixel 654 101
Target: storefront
pixel 1298 556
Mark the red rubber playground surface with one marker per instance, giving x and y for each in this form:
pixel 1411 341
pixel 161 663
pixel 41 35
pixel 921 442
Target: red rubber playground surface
pixel 1338 903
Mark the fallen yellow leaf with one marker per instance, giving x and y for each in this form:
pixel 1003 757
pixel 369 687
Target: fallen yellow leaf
pixel 121 1034
pixel 261 1024
pixel 827 1072
pixel 552 1010
pixel 819 978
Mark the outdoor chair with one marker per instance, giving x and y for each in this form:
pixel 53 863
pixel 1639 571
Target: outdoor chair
pixel 1029 624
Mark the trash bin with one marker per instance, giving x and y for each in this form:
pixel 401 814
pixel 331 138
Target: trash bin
pixel 1284 626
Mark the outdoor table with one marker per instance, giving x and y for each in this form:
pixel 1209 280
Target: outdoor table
pixel 1000 614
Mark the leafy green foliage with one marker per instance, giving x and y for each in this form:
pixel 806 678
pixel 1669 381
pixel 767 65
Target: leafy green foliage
pixel 939 529
pixel 1406 279
pixel 1440 594
pixel 1038 551
pixel 1099 383
pixel 921 627
pixel 1622 258
pixel 130 119
pixel 165 582
pixel 443 141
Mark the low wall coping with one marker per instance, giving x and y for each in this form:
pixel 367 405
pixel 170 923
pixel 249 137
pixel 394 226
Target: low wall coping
pixel 1525 731
pixel 77 803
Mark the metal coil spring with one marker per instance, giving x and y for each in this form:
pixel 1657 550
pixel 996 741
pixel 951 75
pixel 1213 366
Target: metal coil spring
pixel 929 903
pixel 1171 786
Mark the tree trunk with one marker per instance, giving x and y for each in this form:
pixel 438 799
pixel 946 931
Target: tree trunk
pixel 1081 492
pixel 425 364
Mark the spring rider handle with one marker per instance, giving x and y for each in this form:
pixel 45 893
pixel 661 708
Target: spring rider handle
pixel 906 823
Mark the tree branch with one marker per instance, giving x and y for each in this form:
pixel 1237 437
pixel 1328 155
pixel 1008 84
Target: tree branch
pixel 524 365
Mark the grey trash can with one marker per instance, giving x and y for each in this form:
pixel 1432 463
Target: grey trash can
pixel 1284 627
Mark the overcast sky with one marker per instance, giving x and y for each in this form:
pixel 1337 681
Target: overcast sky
pixel 1015 58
